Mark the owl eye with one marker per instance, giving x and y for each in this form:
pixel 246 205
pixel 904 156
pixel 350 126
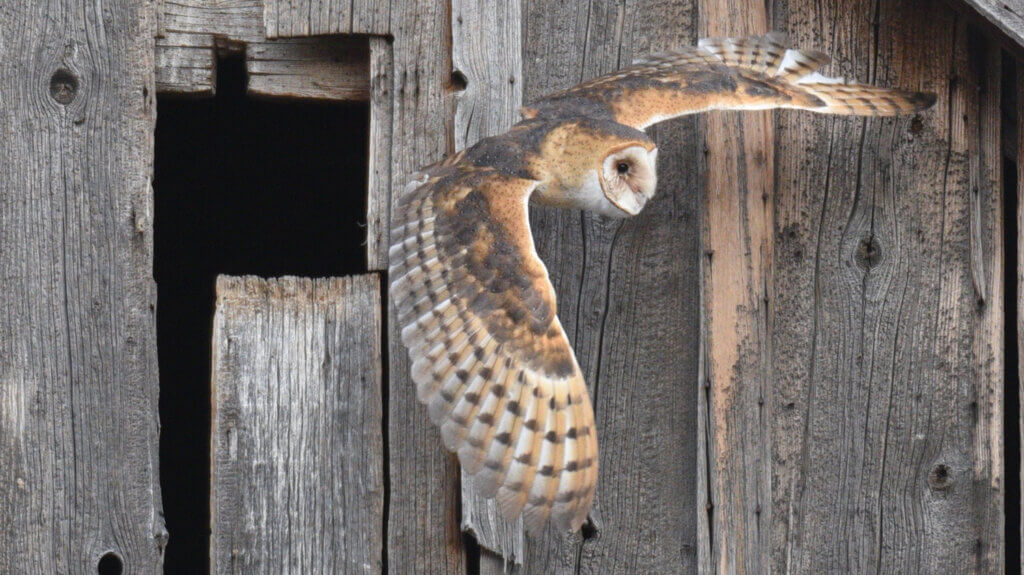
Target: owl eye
pixel 623 167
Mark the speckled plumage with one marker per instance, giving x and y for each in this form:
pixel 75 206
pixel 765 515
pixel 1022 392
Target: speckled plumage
pixel 476 307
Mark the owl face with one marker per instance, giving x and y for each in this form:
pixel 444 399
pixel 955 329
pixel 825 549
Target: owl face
pixel 628 178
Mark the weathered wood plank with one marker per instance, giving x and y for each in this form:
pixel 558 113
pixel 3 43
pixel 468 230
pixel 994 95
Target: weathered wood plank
pixel 736 236
pixel 886 321
pixel 423 513
pixel 487 52
pixel 628 298
pixel 195 30
pixel 288 18
pixel 324 68
pixel 297 475
pixel 79 428
pixel 379 174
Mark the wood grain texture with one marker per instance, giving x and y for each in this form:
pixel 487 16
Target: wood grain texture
pixel 628 299
pixel 487 52
pixel 288 18
pixel 736 236
pixel 378 201
pixel 298 450
pixel 886 331
pixel 423 512
pixel 79 474
pixel 196 31
pixel 1005 15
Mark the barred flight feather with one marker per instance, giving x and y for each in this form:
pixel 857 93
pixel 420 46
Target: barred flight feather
pixel 486 346
pixel 474 303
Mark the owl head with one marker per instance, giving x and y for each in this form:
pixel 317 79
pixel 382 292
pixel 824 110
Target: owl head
pixel 628 178
pixel 599 166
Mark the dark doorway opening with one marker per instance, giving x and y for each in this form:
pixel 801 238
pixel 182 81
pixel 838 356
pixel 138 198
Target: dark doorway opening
pixel 242 186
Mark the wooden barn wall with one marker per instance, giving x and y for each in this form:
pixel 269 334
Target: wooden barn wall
pixel 78 373
pixel 795 354
pixel 886 339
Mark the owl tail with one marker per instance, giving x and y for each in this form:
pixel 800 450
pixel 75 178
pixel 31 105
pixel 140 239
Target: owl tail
pixel 773 76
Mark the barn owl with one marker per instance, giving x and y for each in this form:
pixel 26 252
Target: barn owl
pixel 475 305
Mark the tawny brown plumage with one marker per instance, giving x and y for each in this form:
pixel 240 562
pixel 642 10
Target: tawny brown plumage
pixel 476 307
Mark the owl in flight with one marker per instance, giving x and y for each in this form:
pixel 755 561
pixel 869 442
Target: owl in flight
pixel 477 310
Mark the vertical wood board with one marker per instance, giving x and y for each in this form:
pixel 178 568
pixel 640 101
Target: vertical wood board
pixel 423 511
pixel 285 18
pixel 487 52
pixel 378 201
pixel 886 401
pixel 628 299
pixel 736 237
pixel 79 472
pixel 297 435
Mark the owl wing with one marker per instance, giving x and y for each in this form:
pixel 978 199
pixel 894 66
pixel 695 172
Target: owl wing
pixel 752 73
pixel 489 356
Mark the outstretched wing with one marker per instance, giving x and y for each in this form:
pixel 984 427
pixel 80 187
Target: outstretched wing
pixel 753 73
pixel 489 356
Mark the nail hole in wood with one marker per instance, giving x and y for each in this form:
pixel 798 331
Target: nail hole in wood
pixel 458 82
pixel 63 86
pixel 916 125
pixel 110 564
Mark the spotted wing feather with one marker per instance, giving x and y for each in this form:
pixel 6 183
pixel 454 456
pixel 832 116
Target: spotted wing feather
pixel 489 356
pixel 752 73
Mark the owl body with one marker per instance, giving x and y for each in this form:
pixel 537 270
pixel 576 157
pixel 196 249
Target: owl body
pixel 478 314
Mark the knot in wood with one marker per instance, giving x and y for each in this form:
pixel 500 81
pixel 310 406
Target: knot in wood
pixel 63 86
pixel 869 253
pixel 940 477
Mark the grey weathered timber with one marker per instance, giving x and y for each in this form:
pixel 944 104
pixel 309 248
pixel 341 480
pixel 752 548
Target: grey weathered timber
pixel 316 17
pixel 423 512
pixel 298 452
pixel 379 173
pixel 886 333
pixel 195 31
pixel 1005 15
pixel 737 239
pixel 79 472
pixel 322 68
pixel 628 299
pixel 487 52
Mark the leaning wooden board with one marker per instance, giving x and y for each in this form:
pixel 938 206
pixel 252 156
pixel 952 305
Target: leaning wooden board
pixel 297 437
pixel 79 473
